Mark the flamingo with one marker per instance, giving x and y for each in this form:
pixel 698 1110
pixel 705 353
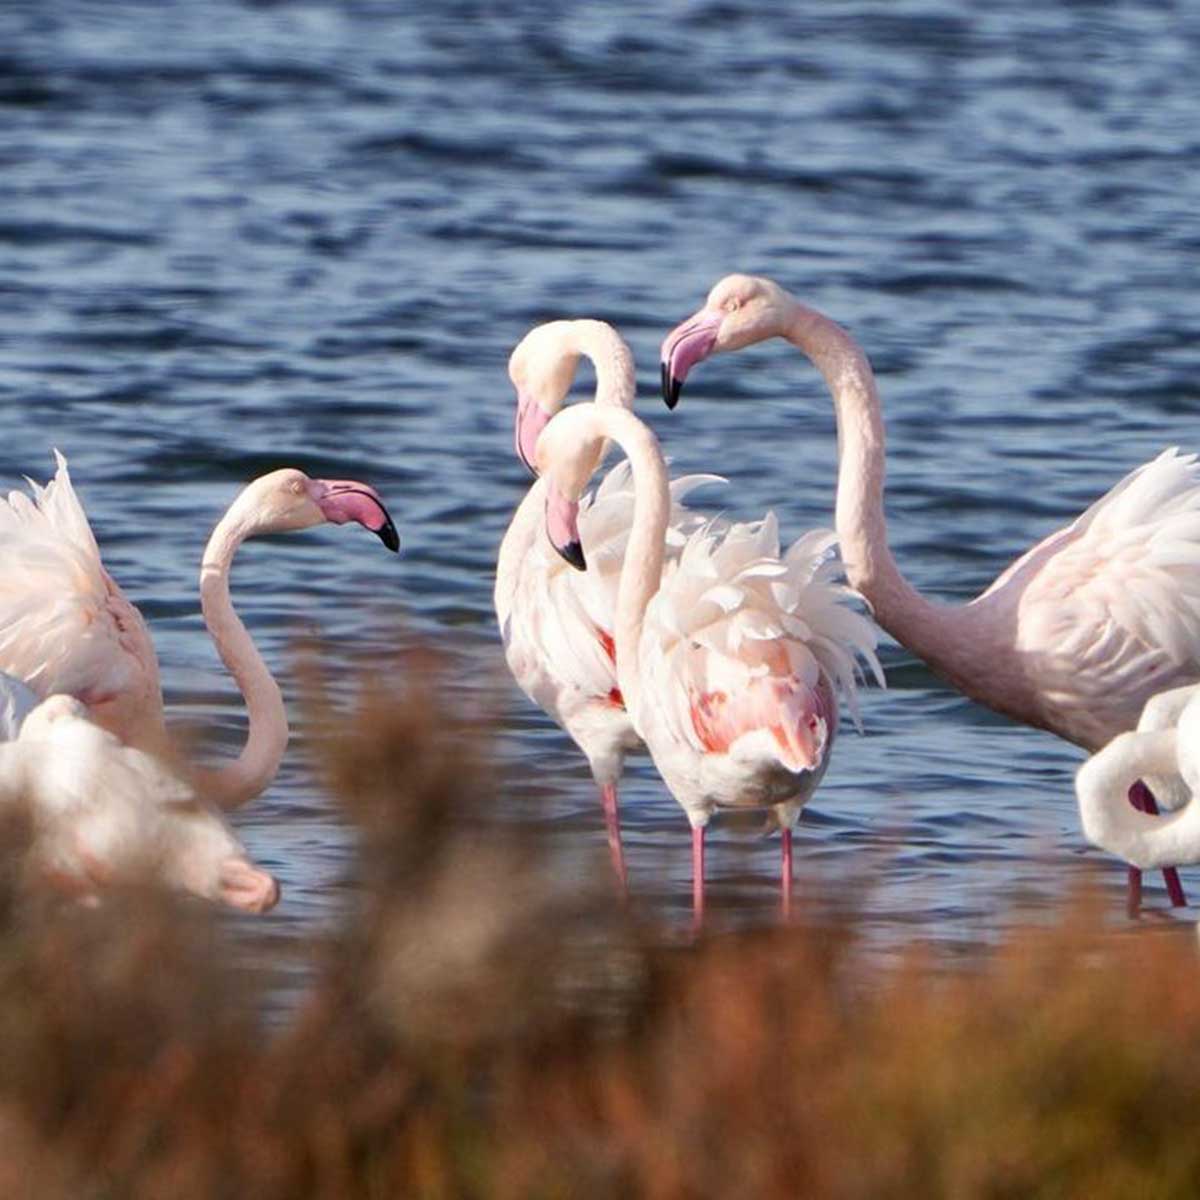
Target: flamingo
pixel 1164 749
pixel 104 813
pixel 557 623
pixel 66 627
pixel 1078 633
pixel 730 661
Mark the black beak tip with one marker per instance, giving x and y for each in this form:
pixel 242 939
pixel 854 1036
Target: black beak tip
pixel 573 553
pixel 672 388
pixel 388 535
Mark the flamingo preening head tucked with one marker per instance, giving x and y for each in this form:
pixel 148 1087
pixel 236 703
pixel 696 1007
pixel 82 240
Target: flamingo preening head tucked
pixel 103 813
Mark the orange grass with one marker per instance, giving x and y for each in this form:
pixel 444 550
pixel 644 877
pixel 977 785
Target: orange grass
pixel 481 1028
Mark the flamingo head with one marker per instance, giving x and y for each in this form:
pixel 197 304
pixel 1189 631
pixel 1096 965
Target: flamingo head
pixel 740 310
pixel 542 369
pixel 199 853
pixel 288 499
pixel 568 453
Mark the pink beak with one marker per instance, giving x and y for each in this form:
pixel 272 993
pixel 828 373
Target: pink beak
pixel 342 500
pixel 531 420
pixel 562 527
pixel 684 347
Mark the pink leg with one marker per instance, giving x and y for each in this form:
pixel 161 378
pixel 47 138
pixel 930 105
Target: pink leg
pixel 786 873
pixel 612 823
pixel 1142 798
pixel 697 878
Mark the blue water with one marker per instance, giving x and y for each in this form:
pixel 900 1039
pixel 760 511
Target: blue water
pixel 240 235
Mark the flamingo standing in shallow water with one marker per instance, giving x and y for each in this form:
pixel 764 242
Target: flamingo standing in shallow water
pixel 104 813
pixel 1077 634
pixel 557 623
pixel 730 661
pixel 65 626
pixel 1165 749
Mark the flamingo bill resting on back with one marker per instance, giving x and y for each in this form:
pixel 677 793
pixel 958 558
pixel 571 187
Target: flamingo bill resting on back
pixel 557 622
pixel 65 626
pixel 731 658
pixel 102 813
pixel 1164 751
pixel 1077 634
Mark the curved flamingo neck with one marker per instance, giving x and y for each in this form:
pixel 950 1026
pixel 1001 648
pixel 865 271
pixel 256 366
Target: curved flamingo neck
pixel 1109 819
pixel 641 571
pixel 253 769
pixel 928 629
pixel 616 377
pixel 518 541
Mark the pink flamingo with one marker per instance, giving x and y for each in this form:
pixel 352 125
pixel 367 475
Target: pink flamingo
pixel 557 623
pixel 105 813
pixel 66 627
pixel 1078 633
pixel 730 662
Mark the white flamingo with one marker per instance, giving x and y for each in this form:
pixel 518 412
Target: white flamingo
pixel 1077 634
pixel 104 813
pixel 731 662
pixel 1165 751
pixel 556 622
pixel 66 627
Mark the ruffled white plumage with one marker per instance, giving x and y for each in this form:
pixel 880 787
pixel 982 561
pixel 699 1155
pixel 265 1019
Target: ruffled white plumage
pixel 764 632
pixel 64 624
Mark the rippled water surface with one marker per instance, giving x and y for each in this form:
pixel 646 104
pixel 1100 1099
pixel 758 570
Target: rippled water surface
pixel 240 235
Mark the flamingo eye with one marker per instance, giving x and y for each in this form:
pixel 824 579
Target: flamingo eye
pixel 733 304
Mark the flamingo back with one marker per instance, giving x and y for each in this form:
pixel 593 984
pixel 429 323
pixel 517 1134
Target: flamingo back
pixel 1112 614
pixel 65 626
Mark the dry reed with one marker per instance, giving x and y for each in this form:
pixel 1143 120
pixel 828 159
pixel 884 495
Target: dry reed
pixel 482 1027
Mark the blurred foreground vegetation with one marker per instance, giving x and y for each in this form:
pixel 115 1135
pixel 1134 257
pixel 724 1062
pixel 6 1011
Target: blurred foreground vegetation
pixel 483 1027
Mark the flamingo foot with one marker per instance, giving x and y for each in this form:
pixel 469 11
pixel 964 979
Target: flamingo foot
pixel 785 874
pixel 1142 798
pixel 697 878
pixel 612 824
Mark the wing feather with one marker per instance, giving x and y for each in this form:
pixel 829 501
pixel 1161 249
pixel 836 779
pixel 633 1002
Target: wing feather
pixel 1114 609
pixel 64 624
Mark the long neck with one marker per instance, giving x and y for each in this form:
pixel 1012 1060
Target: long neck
pixel 641 572
pixel 924 627
pixel 518 540
pixel 616 377
pixel 253 769
pixel 1108 818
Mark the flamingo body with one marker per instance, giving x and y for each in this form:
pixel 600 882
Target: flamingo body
pixel 104 813
pixel 557 622
pixel 745 651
